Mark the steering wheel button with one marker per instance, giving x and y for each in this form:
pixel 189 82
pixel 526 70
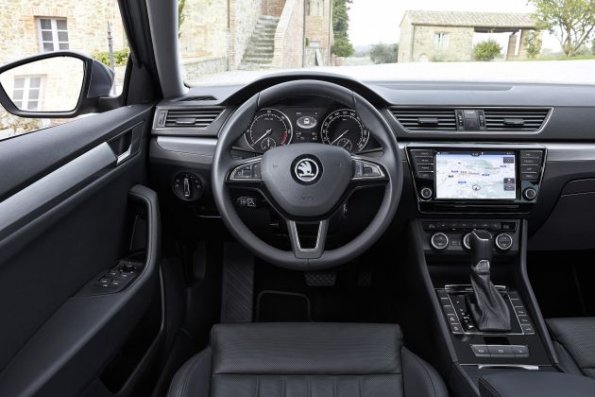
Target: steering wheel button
pixel 256 171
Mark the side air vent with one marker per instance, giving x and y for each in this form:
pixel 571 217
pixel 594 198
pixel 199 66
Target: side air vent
pixel 197 118
pixel 418 119
pixel 526 120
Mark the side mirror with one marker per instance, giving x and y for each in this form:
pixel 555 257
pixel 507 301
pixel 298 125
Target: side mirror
pixel 54 85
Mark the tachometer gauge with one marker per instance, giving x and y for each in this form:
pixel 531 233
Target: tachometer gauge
pixel 269 128
pixel 344 128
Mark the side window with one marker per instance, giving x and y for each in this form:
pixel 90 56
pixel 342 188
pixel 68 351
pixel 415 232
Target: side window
pixel 441 40
pixel 53 34
pixel 26 92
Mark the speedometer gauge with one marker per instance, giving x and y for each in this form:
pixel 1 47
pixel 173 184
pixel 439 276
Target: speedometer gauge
pixel 269 128
pixel 344 128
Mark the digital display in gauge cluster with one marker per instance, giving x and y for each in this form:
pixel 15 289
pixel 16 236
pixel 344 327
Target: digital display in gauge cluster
pixel 272 127
pixel 307 125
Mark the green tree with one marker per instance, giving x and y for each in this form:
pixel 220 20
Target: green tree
pixel 486 50
pixel 181 15
pixel 120 57
pixel 384 53
pixel 342 47
pixel 572 21
pixel 533 43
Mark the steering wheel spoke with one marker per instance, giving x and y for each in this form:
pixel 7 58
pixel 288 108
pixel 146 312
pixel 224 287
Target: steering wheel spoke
pixel 297 241
pixel 367 173
pixel 245 173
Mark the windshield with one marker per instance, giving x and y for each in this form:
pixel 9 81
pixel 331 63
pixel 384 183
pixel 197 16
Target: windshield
pixel 225 42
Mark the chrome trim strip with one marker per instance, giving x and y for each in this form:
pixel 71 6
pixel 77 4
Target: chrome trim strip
pixel 512 366
pixel 188 145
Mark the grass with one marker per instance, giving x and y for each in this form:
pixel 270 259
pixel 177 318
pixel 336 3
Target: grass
pixel 562 57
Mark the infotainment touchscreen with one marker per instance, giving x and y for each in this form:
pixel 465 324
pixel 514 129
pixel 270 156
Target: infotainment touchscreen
pixel 476 175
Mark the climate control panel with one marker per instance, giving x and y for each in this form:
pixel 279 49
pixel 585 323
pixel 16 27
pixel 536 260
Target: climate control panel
pixel 453 236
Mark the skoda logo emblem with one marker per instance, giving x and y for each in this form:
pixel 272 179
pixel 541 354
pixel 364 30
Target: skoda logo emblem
pixel 306 170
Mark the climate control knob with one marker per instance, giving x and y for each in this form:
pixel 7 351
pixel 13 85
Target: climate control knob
pixel 467 241
pixel 529 193
pixel 426 193
pixel 503 241
pixel 439 241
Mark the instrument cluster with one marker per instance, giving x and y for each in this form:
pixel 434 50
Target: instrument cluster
pixel 278 126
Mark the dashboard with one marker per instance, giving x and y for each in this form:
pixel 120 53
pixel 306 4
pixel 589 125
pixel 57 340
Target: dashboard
pixel 296 123
pixel 467 148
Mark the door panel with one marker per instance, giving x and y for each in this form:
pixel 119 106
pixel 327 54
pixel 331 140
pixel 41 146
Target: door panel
pixel 64 220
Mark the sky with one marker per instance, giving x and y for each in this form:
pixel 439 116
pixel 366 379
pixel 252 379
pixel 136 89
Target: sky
pixel 376 21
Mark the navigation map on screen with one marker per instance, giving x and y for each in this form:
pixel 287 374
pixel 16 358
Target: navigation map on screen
pixel 488 176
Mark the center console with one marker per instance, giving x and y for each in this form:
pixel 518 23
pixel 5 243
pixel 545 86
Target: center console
pixel 470 242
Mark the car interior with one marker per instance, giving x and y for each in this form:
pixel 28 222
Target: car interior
pixel 305 234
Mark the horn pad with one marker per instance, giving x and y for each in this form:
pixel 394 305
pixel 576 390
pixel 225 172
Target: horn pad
pixel 306 179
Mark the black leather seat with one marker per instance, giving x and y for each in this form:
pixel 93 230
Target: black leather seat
pixel 306 359
pixel 574 340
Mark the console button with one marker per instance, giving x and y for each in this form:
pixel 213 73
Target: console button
pixel 528 329
pixel 532 154
pixel 529 176
pixel 422 152
pixel 520 351
pixel 456 329
pixel 425 167
pixel 425 175
pixel 448 309
pixel 504 241
pixel 429 226
pixel 530 168
pixel 439 241
pixel 424 160
pixel 520 310
pixel 524 320
pixel 498 351
pixel 530 161
pixel 452 318
pixel 480 350
pixel 508 226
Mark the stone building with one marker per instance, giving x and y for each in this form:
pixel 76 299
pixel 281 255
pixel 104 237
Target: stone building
pixel 448 36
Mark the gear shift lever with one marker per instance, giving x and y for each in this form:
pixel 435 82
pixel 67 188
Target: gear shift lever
pixel 488 308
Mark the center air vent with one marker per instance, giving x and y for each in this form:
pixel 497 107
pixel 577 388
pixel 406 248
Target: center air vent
pixel 197 118
pixel 514 119
pixel 417 119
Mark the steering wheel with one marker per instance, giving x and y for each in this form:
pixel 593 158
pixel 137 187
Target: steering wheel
pixel 307 182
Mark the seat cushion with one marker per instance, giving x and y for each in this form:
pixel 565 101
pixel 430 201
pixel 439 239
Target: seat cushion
pixel 306 359
pixel 574 338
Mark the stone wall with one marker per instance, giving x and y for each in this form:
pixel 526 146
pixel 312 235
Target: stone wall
pixel 196 68
pixel 217 29
pixel 405 42
pixel 86 22
pixel 204 32
pixel 243 20
pixel 418 44
pixel 319 33
pixel 289 37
